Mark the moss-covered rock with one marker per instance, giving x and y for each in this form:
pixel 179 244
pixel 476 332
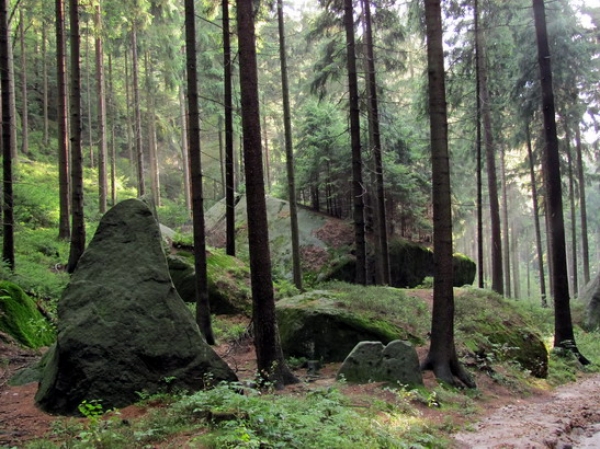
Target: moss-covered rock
pixel 20 318
pixel 228 282
pixel 318 325
pixel 494 329
pixel 465 270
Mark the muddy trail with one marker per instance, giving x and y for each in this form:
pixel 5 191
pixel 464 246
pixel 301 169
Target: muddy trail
pixel 568 417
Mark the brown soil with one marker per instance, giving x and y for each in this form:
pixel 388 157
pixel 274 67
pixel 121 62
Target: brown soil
pixel 508 419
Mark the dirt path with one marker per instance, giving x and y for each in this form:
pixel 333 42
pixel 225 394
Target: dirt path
pixel 569 417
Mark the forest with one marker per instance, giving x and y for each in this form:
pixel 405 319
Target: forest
pixel 466 126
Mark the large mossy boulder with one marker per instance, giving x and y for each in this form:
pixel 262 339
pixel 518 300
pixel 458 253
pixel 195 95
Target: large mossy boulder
pixel 590 297
pixel 21 319
pixel 316 326
pixel 228 282
pixel 122 327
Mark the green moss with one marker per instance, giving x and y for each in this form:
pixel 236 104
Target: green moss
pixel 20 318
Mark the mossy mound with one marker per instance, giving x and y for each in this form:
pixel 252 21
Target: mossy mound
pixel 465 270
pixel 491 327
pixel 20 318
pixel 327 324
pixel 228 281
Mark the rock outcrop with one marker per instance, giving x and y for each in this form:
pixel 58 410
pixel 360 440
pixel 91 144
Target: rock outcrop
pixel 314 326
pixel 371 361
pixel 122 327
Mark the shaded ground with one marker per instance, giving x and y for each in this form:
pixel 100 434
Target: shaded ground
pixel 559 419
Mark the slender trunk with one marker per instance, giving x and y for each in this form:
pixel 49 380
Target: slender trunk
pixel 480 263
pixel 574 279
pixel 221 158
pixel 563 326
pixel 46 135
pixel 202 300
pixel 139 151
pixel 113 145
pixel 496 239
pixel 64 228
pixel 13 93
pixel 151 120
pixel 229 157
pixel 505 225
pixel 77 219
pixel 129 125
pixel 8 243
pixel 267 155
pixel 90 89
pixel 358 190
pixel 289 151
pixel 585 249
pixel 102 146
pixel 24 93
pixel 516 261
pixel 536 219
pixel 187 190
pixel 381 231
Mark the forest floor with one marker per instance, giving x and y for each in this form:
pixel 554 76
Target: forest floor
pixel 566 417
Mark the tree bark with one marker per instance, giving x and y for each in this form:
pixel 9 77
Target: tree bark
pixel 229 157
pixel 77 215
pixel 574 278
pixel 358 190
pixel 46 135
pixel 381 229
pixel 185 160
pixel 113 143
pixel 270 361
pixel 480 263
pixel 8 243
pixel 151 121
pixel 202 299
pixel 563 325
pixel 505 225
pixel 442 357
pixel 64 228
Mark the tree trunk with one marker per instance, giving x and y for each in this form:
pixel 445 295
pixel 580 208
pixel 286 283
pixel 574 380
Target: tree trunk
pixel 139 151
pixel 102 147
pixel 381 230
pixel 480 263
pixel 536 219
pixel 46 135
pixel 8 243
pixel 64 229
pixel 151 121
pixel 505 225
pixel 496 239
pixel 129 125
pixel 185 160
pixel 442 357
pixel 13 96
pixel 229 158
pixel 574 279
pixel 563 325
pixel 270 361
pixel 289 151
pixel 585 249
pixel 24 93
pixel 202 299
pixel 90 126
pixel 77 219
pixel 358 190
pixel 113 144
